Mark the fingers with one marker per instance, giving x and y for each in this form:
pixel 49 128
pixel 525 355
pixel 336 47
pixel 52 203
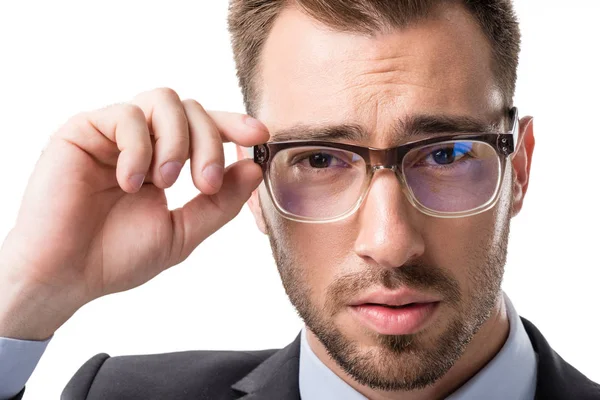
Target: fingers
pixel 125 125
pixel 205 214
pixel 240 128
pixel 206 149
pixel 181 130
pixel 208 131
pixel 167 121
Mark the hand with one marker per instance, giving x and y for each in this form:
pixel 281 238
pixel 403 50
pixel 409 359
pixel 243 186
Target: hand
pixel 87 225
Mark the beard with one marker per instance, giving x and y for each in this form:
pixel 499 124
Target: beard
pixel 398 362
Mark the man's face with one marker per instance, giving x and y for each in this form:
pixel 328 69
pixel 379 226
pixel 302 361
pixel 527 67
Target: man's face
pixel 312 75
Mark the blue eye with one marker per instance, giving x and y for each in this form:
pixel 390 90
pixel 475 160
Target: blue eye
pixel 443 156
pixel 450 154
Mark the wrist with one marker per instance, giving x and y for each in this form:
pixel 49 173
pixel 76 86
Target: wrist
pixel 29 312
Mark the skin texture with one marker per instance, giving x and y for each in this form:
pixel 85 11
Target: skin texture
pixel 312 75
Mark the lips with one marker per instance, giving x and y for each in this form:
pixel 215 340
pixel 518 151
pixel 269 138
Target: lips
pixel 395 312
pixel 395 299
pixel 387 320
pixel 389 306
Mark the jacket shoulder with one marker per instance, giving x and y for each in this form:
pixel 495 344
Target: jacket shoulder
pixel 556 378
pixel 181 375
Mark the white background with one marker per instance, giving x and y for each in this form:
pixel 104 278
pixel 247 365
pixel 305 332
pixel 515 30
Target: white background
pixel 61 57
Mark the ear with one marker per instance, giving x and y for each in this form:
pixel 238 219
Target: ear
pixel 254 200
pixel 521 163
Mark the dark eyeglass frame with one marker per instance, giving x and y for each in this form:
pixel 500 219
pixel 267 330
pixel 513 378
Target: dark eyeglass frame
pixel 505 144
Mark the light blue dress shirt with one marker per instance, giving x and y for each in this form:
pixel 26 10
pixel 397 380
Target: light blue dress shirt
pixel 511 374
pixel 18 359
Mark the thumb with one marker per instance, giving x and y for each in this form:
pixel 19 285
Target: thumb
pixel 205 214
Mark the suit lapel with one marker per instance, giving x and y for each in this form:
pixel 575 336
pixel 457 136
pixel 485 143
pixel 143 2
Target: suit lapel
pixel 557 379
pixel 275 378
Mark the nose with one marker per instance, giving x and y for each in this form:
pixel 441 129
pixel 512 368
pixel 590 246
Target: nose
pixel 388 231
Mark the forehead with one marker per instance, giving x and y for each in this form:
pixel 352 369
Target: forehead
pixel 311 74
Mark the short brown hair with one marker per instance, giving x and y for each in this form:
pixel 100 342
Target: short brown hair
pixel 250 22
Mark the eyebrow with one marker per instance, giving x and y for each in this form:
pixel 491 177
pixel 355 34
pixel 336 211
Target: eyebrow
pixel 412 127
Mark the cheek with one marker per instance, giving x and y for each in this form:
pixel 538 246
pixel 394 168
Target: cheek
pixel 461 246
pixel 323 251
pixel 466 246
pixel 317 253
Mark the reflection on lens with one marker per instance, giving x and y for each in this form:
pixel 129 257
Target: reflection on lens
pixel 317 182
pixel 454 176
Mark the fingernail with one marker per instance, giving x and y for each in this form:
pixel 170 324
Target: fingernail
pixel 255 124
pixel 170 171
pixel 213 174
pixel 136 181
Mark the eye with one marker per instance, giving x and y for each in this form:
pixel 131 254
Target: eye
pixel 443 156
pixel 449 154
pixel 321 160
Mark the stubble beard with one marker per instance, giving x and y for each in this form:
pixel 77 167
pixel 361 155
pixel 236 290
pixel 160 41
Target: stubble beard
pixel 397 362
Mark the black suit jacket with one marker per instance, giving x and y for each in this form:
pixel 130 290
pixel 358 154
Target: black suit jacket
pixel 262 375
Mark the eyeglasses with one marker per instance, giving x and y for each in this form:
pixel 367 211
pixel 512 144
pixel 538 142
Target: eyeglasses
pixel 448 176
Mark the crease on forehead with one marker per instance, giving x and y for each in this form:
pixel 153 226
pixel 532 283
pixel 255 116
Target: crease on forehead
pixel 447 14
pixel 314 79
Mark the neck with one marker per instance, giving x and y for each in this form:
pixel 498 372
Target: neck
pixel 486 343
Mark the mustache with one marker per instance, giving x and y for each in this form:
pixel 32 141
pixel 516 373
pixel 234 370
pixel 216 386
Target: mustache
pixel 416 276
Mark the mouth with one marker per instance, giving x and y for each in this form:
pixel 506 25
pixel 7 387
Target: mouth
pixel 390 319
pixel 390 306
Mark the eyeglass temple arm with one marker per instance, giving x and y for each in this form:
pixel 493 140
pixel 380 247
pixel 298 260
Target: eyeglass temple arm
pixel 509 142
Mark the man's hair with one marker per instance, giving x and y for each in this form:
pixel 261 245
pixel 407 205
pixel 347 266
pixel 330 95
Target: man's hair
pixel 250 22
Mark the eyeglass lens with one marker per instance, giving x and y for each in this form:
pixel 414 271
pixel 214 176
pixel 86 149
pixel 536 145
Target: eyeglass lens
pixel 324 183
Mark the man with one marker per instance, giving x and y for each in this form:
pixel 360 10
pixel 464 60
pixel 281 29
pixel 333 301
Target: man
pixel 395 161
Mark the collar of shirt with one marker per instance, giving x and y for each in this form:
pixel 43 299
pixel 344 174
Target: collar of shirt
pixel 511 374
